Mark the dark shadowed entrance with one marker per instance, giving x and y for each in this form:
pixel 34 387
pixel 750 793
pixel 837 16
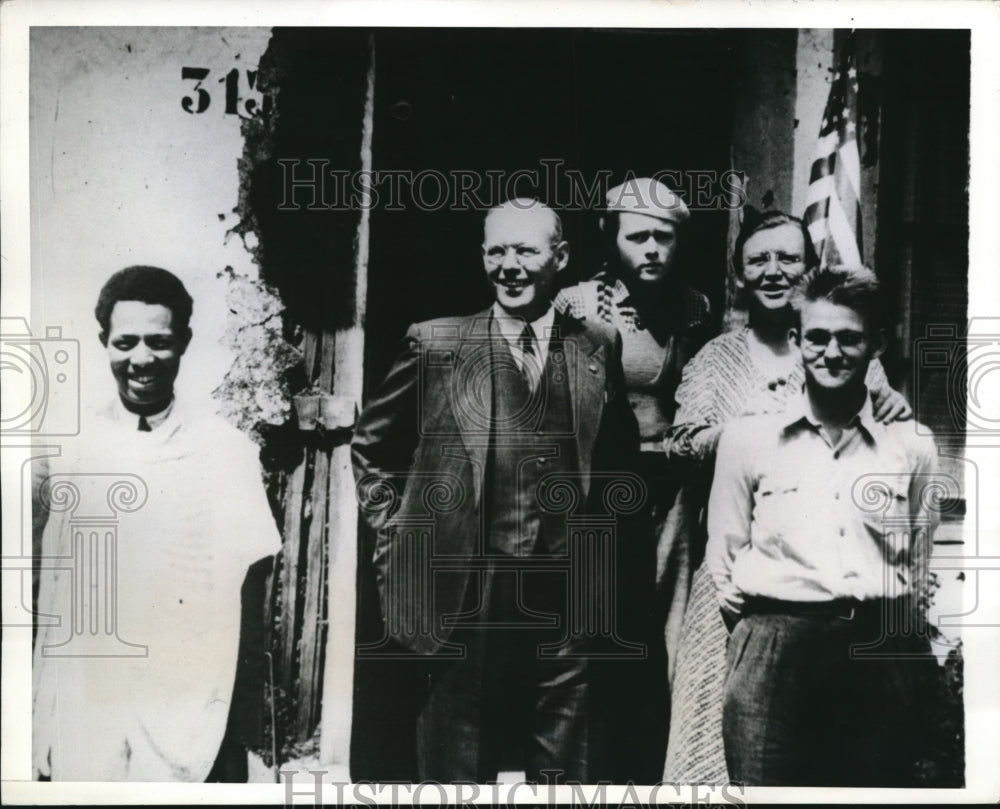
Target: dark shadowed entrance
pixel 470 109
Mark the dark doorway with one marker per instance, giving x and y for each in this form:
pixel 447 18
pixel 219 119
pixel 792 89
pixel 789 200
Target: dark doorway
pixel 501 101
pixel 494 102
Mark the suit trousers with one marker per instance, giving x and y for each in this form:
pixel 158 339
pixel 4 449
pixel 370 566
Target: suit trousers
pixel 822 700
pixel 519 697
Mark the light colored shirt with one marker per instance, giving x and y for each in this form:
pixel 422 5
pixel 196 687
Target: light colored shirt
pixel 722 382
pixel 185 510
pixel 796 516
pixel 512 327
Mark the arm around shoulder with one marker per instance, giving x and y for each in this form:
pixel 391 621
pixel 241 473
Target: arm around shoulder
pixel 889 404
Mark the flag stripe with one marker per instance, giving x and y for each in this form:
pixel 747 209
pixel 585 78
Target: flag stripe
pixel 833 198
pixel 845 193
pixel 849 159
pixel 822 167
pixel 823 188
pixel 842 233
pixel 818 230
pixel 828 143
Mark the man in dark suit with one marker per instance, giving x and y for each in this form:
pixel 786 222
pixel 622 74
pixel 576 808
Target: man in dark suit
pixel 491 462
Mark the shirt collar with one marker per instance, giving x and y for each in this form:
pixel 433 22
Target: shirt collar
pixel 800 410
pixel 126 416
pixel 511 327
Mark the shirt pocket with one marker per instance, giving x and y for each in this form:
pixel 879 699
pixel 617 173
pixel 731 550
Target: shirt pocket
pixel 781 506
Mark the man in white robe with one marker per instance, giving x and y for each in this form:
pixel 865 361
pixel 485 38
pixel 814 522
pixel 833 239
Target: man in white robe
pixel 155 512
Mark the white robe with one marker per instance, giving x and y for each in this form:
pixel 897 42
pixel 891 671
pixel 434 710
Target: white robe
pixel 185 507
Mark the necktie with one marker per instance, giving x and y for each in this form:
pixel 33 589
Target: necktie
pixel 144 425
pixel 531 366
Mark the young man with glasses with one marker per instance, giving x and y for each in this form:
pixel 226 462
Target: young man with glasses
pixel 819 534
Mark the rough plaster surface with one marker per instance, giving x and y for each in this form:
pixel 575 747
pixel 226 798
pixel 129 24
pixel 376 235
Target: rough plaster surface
pixel 121 174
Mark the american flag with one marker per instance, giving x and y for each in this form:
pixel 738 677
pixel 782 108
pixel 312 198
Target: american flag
pixel 833 202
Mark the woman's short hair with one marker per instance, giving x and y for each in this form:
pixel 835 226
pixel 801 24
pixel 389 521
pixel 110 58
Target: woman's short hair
pixel 755 221
pixel 855 287
pixel 147 285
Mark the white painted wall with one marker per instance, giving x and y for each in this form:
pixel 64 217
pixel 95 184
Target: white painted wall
pixel 121 174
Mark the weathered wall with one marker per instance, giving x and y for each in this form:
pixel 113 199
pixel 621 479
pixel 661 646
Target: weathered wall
pixel 121 174
pixel 763 117
pixel 763 132
pixel 814 66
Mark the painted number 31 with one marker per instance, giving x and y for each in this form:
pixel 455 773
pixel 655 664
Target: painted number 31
pixel 202 99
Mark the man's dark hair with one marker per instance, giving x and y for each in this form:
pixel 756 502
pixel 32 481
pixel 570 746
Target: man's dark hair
pixel 147 285
pixel 856 288
pixel 755 221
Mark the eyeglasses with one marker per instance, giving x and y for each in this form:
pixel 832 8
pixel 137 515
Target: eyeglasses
pixel 524 255
pixel 849 341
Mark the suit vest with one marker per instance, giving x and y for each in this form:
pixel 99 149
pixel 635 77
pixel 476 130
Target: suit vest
pixel 532 444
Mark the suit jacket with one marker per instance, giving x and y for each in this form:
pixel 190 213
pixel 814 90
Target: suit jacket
pixel 420 453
